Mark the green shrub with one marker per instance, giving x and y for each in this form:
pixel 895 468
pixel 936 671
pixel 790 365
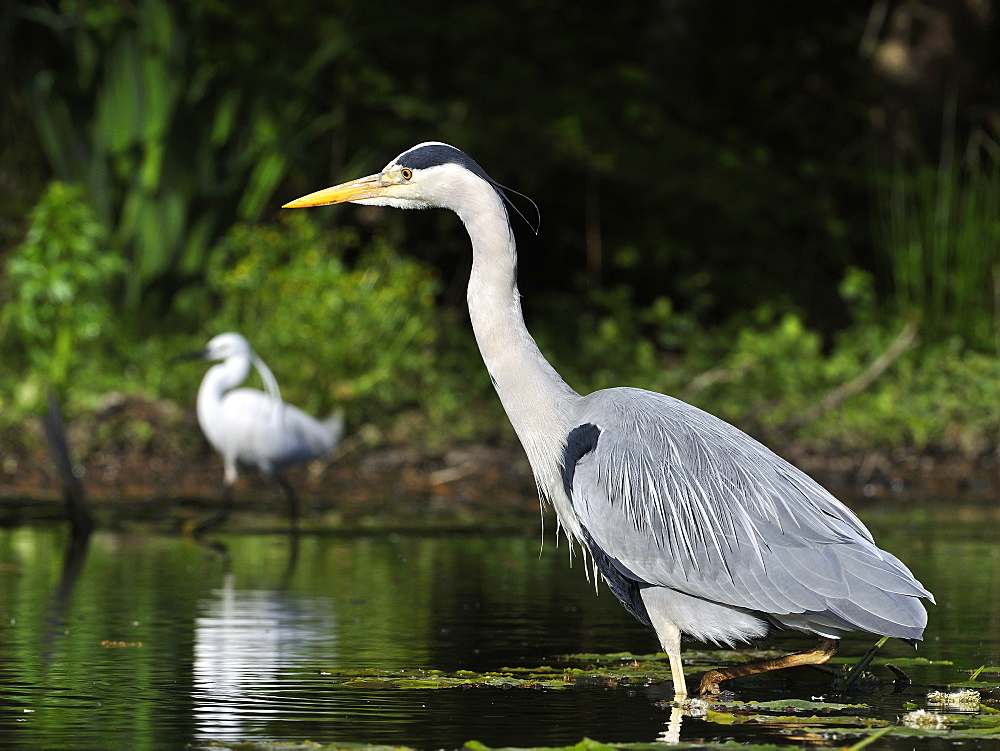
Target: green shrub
pixel 768 374
pixel 607 340
pixel 367 336
pixel 58 316
pixel 177 130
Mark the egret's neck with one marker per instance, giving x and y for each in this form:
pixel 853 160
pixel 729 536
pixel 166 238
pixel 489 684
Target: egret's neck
pixel 227 374
pixel 535 397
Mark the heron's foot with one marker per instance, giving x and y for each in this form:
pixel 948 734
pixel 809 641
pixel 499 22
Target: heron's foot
pixel 709 685
pixel 821 653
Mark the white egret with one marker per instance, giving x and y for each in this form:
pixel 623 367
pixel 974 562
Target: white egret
pixel 254 429
pixel 696 527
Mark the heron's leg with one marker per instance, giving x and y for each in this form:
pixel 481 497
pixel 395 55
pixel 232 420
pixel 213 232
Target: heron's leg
pixel 677 666
pixel 823 651
pixel 670 639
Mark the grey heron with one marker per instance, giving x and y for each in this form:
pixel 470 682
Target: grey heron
pixel 696 527
pixel 252 428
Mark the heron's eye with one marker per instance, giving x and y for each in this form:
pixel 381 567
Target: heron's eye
pixel 406 173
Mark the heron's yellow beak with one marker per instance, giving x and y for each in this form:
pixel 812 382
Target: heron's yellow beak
pixel 355 190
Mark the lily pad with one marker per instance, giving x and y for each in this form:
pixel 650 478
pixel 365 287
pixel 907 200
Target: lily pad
pixel 693 656
pixel 607 675
pixel 425 680
pixel 979 685
pixel 897 661
pixel 785 706
pixel 792 721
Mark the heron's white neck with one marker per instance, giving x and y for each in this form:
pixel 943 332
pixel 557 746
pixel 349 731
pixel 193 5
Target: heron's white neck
pixel 535 397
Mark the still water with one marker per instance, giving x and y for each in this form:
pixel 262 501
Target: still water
pixel 153 641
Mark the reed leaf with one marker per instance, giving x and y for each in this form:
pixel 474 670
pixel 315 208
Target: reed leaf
pixel 172 150
pixel 940 230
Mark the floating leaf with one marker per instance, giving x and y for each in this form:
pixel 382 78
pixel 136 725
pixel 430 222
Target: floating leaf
pixel 799 705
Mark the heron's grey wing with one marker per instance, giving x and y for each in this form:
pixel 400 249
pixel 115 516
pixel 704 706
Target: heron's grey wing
pixel 675 497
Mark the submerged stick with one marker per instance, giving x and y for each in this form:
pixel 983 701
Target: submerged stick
pixel 77 509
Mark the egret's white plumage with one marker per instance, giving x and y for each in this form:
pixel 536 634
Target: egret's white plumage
pixel 251 428
pixel 696 527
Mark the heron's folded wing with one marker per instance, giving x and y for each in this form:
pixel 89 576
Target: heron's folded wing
pixel 678 498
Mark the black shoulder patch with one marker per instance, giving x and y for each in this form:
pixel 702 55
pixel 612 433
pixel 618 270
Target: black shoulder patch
pixel 436 154
pixel 580 442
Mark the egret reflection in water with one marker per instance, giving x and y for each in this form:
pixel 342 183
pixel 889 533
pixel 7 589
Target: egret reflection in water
pixel 246 641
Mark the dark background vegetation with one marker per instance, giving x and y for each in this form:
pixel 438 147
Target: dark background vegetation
pixel 788 213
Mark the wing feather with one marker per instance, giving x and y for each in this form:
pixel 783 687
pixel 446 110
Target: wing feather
pixel 686 501
pixel 270 439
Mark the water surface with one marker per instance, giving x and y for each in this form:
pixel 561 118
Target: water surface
pixel 152 641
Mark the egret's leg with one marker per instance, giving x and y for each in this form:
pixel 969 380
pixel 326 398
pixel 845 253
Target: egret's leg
pixel 823 651
pixel 221 515
pixel 227 502
pixel 228 482
pixel 293 499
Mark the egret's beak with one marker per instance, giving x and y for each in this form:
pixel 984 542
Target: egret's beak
pixel 198 354
pixel 355 190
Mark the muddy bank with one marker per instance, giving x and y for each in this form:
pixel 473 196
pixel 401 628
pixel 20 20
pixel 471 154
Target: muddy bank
pixel 146 459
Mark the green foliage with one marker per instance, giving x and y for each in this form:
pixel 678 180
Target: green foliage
pixel 368 336
pixel 59 283
pixel 351 323
pixel 773 359
pixel 182 118
pixel 773 369
pixel 614 341
pixel 942 396
pixel 938 396
pixel 767 373
pixel 699 166
pixel 172 144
